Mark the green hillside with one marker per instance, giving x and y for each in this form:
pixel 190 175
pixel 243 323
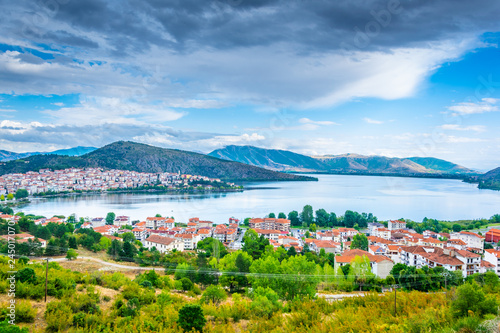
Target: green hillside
pixel 144 158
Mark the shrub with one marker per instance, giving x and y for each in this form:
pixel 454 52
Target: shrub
pixel 214 294
pixel 470 298
pixel 191 318
pixel 26 275
pixel 186 284
pixel 58 316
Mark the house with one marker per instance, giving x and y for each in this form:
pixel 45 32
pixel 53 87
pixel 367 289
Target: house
pixel 328 246
pixel 164 244
pixel 98 221
pixel 372 226
pixel 155 222
pixel 331 235
pixel 473 241
pixel 381 265
pixel 376 250
pixel 457 244
pixel 346 233
pixel 270 224
pixel 450 259
pixel 382 233
pixel 493 257
pixel 190 240
pixel 107 229
pixel 492 236
pixel 431 242
pixel 24 237
pixel 287 239
pixel 140 233
pixel 269 234
pixel 393 225
pixel 204 233
pixel 121 221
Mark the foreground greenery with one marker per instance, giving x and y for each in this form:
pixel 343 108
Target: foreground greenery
pixel 81 302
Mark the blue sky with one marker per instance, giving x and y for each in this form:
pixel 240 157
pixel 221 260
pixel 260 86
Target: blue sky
pixel 409 78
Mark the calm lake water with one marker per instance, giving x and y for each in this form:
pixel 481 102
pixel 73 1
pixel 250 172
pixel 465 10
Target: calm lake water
pixel 385 197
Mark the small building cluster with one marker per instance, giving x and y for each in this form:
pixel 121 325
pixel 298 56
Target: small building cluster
pixel 94 179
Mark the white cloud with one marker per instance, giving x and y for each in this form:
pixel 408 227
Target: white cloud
pixel 373 121
pixel 321 122
pixel 468 108
pixel 454 127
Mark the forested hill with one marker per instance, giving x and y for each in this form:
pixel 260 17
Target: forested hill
pixel 145 158
pixel 283 160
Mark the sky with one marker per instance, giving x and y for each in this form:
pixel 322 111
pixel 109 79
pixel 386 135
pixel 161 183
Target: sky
pixel 394 78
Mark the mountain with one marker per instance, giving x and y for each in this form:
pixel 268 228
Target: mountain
pixel 283 160
pixel 489 180
pixel 279 160
pixel 76 151
pixel 145 158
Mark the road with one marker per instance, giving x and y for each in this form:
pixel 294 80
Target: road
pixel 110 264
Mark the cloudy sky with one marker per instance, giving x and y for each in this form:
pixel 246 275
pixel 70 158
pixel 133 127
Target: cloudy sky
pixel 409 78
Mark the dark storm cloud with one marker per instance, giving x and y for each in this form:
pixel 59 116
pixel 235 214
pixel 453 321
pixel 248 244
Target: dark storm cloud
pixel 311 25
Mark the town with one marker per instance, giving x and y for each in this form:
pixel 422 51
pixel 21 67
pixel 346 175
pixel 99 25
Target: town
pixel 99 180
pixel 383 245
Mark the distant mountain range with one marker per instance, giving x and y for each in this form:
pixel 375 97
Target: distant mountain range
pixel 489 180
pixel 77 151
pixel 282 160
pixel 144 158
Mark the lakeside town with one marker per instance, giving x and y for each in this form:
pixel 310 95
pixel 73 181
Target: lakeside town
pixel 382 244
pixel 99 180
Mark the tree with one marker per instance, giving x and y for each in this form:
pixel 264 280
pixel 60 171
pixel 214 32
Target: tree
pixel 291 252
pixel 360 241
pixel 26 275
pixel 272 215
pixel 187 284
pixel 110 218
pixel 72 243
pixel 281 215
pixel 115 249
pixel 210 244
pixel 253 244
pixel 470 297
pixel 332 220
pixel 2 197
pixel 293 216
pixel 128 237
pixel 10 196
pixel 322 218
pixel 128 251
pixel 71 254
pixel 456 227
pixel 21 193
pixel 312 227
pixel 191 318
pixel 306 217
pixel 214 294
pixel 158 215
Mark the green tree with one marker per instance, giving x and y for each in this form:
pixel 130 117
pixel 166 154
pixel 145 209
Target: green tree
pixel 26 275
pixel 71 254
pixel 272 215
pixel 322 218
pixel 110 218
pixel 281 215
pixel 291 252
pixel 456 227
pixel 210 244
pixel 21 193
pixel 293 216
pixel 253 244
pixel 187 284
pixel 360 241
pixel 312 227
pixel 2 197
pixel 128 237
pixel 72 243
pixel 332 220
pixel 115 249
pixel 191 318
pixel 306 217
pixel 214 294
pixel 470 297
pixel 10 196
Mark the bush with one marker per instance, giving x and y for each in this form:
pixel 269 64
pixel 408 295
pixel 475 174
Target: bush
pixel 26 275
pixel 470 298
pixel 186 284
pixel 191 318
pixel 58 316
pixel 214 294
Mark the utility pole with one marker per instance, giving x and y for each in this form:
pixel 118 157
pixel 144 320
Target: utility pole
pixel 46 277
pixel 395 293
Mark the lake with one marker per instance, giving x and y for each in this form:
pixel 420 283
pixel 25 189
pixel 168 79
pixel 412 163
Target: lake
pixel 385 197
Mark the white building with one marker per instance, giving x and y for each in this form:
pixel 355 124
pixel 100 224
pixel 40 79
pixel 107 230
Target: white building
pixel 394 225
pixel 473 241
pixel 493 257
pixel 164 244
